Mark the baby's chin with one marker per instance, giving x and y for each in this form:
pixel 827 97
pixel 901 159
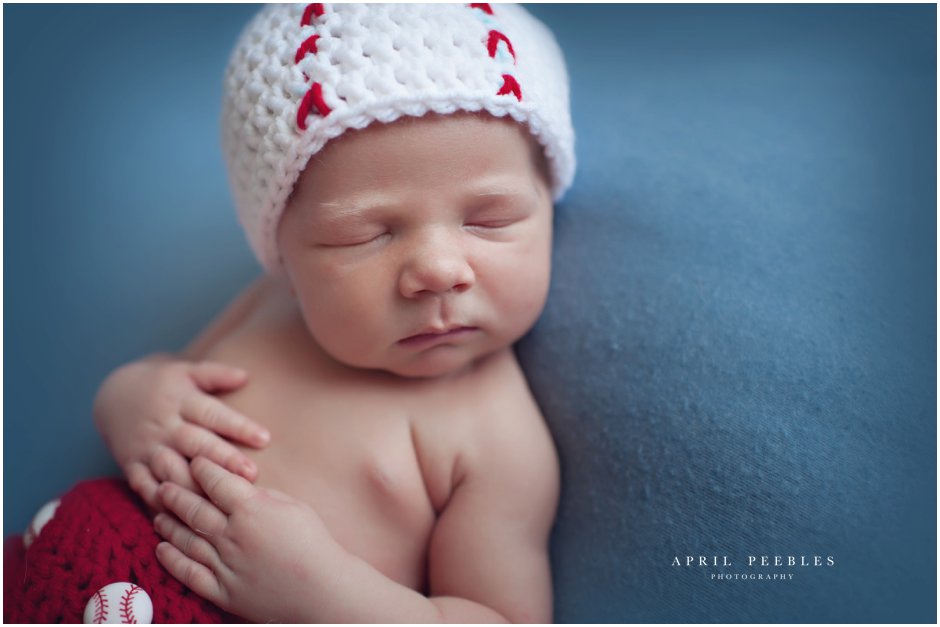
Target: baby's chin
pixel 426 371
pixel 435 363
pixel 438 364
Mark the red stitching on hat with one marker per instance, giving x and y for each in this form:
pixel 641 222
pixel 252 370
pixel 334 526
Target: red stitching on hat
pixel 494 37
pixel 313 98
pixel 493 41
pixel 510 85
pixel 309 45
pixel 312 10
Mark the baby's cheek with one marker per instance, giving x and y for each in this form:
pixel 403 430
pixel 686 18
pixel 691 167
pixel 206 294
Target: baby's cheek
pixel 533 294
pixel 522 290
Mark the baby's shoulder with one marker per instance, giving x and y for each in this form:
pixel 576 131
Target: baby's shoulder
pixel 490 393
pixel 508 418
pixel 501 391
pixel 492 422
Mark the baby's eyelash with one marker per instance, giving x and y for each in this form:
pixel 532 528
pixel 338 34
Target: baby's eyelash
pixel 354 243
pixel 491 224
pixel 495 219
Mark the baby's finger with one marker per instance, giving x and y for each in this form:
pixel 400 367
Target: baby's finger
pixel 199 514
pixel 191 544
pixel 168 465
pixel 143 483
pixel 213 414
pixel 195 576
pixel 193 441
pixel 212 376
pixel 226 490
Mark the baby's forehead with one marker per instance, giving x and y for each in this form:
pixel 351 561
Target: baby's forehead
pixel 458 134
pixel 469 141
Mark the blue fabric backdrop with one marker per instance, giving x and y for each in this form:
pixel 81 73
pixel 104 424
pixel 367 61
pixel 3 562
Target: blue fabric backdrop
pixel 739 352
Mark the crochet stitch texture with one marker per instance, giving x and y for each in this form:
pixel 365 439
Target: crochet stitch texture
pixel 101 533
pixel 302 75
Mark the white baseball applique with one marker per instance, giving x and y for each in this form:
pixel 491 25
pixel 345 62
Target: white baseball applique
pixel 121 603
pixel 44 515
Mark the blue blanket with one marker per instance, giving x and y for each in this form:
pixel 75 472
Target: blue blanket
pixel 738 357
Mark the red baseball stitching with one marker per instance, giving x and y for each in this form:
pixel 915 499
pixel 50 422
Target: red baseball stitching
pixel 312 10
pixel 101 607
pixel 494 37
pixel 309 45
pixel 510 86
pixel 314 96
pixel 127 610
pixel 492 43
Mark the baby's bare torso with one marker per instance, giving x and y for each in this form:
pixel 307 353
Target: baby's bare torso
pixel 374 454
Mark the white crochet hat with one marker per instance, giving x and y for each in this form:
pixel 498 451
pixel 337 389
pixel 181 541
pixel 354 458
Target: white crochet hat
pixel 301 75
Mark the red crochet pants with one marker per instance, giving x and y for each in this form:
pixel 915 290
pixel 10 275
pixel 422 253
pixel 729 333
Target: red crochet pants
pixel 101 533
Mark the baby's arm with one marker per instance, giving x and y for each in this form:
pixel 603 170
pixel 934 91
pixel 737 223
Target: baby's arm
pixel 488 556
pixel 266 557
pixel 154 412
pixel 489 550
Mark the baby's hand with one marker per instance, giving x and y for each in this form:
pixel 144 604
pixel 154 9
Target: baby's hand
pixel 156 412
pixel 254 552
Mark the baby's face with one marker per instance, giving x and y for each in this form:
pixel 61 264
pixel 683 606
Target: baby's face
pixel 422 245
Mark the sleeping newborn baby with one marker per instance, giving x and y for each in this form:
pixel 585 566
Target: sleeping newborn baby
pixel 394 167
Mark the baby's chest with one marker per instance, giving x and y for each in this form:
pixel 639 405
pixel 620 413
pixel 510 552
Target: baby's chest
pixel 359 457
pixel 373 456
pixel 349 454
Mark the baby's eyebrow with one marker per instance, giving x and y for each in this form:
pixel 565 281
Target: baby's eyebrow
pixel 364 207
pixel 501 186
pixel 502 194
pixel 359 207
pixel 498 192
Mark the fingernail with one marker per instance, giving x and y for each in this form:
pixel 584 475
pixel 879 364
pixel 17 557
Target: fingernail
pixel 247 468
pixel 263 437
pixel 238 372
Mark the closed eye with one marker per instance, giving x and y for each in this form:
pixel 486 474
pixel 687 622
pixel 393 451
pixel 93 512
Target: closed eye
pixel 493 212
pixel 492 224
pixel 354 241
pixel 494 220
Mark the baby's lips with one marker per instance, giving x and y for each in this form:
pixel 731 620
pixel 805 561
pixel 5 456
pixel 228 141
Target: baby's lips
pixel 422 339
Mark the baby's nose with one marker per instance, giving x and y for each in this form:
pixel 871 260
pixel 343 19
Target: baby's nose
pixel 436 267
